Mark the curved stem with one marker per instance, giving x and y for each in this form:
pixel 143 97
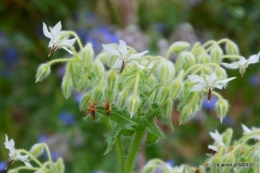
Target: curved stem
pixel 31 156
pixel 232 56
pixel 48 151
pixel 217 95
pixel 77 38
pixel 24 168
pixel 219 42
pixel 134 149
pixel 59 60
pixel 200 68
pixel 248 136
pixel 136 84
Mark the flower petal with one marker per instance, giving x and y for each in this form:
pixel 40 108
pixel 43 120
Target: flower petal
pixel 66 48
pixel 253 59
pixel 196 79
pixel 246 129
pixel 9 144
pixel 56 29
pixel 138 55
pixel 117 64
pixel 212 147
pixel 122 47
pixel 197 88
pixel 225 81
pixel 67 42
pixel 46 32
pixel 230 66
pixel 217 137
pixel 110 49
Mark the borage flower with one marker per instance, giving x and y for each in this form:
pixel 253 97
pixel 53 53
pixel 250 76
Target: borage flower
pixel 248 131
pixel 14 154
pixel 218 140
pixel 208 83
pixel 124 55
pixel 58 38
pixel 242 63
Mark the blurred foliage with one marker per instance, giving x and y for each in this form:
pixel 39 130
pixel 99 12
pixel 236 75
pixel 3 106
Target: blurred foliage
pixel 29 110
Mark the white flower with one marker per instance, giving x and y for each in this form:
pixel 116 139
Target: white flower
pixel 124 55
pixel 243 63
pixel 218 139
pixel 248 131
pixel 58 39
pixel 208 83
pixel 14 154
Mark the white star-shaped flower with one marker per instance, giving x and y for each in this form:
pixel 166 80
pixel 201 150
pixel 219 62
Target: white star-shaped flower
pixel 218 140
pixel 58 39
pixel 243 63
pixel 208 83
pixel 248 131
pixel 14 154
pixel 124 55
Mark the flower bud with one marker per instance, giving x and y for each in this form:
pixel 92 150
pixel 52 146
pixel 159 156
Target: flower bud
pixel 109 94
pixel 112 60
pixel 166 108
pixel 230 160
pixel 227 136
pixel 99 69
pixel 231 48
pixel 59 165
pixel 112 79
pixel 187 113
pixel 76 70
pixel 97 93
pixel 204 58
pixel 185 61
pixel 83 83
pixel 216 163
pixel 216 54
pixel 102 57
pixel 152 79
pixel 166 71
pixel 42 72
pixel 134 102
pixel 221 73
pixel 84 101
pixel 66 86
pixel 87 55
pixel 176 88
pixel 36 150
pixel 202 169
pixel 178 47
pixel 122 98
pixel 163 94
pixel 222 108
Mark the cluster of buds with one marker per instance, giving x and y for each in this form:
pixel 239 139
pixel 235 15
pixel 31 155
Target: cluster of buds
pixel 27 157
pixel 225 155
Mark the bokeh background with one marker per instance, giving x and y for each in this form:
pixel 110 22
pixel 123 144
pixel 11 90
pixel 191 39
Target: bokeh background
pixel 37 112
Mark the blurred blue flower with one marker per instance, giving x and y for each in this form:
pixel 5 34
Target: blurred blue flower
pixel 171 163
pixel 91 16
pixel 228 120
pixel 78 97
pixel 209 105
pixel 3 165
pixel 10 56
pixel 67 118
pixel 42 138
pixel 83 34
pixel 254 80
pixel 160 27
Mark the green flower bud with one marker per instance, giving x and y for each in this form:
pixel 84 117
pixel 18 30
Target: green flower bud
pixel 222 108
pixel 83 83
pixel 216 54
pixel 66 86
pixel 176 88
pixel 178 47
pixel 198 53
pixel 12 171
pixel 112 79
pixel 202 169
pixel 231 48
pixel 166 108
pixel 42 72
pixel 166 71
pixel 152 79
pixel 227 136
pixel 99 69
pixel 87 55
pixel 112 60
pixel 163 94
pixel 109 94
pixel 36 150
pixel 134 102
pixel 122 98
pixel 187 113
pixel 204 58
pixel 221 73
pixel 84 101
pixel 59 165
pixel 207 71
pixel 216 163
pixel 76 72
pixel 102 57
pixel 230 160
pixel 185 61
pixel 97 93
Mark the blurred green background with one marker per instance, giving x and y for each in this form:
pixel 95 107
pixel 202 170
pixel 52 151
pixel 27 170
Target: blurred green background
pixel 37 112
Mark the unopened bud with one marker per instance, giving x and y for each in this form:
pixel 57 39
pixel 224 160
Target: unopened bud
pixel 109 94
pixel 187 113
pixel 112 60
pixel 134 102
pixel 97 93
pixel 122 98
pixel 176 88
pixel 163 94
pixel 217 160
pixel 102 57
pixel 204 58
pixel 59 165
pixel 216 54
pixel 84 101
pixel 112 79
pixel 42 72
pixel 166 71
pixel 229 160
pixel 202 169
pixel 166 108
pixel 99 69
pixel 179 46
pixel 88 55
pixel 221 73
pixel 231 48
pixel 66 86
pixel 222 108
pixel 83 83
pixel 185 61
pixel 36 150
pixel 152 79
pixel 227 136
pixel 76 70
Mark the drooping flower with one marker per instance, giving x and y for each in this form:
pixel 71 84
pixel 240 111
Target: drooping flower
pixel 208 83
pixel 58 38
pixel 14 154
pixel 242 63
pixel 218 140
pixel 248 131
pixel 124 55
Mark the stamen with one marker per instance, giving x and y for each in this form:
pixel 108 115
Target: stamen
pixel 209 94
pixel 10 161
pixel 52 50
pixel 123 66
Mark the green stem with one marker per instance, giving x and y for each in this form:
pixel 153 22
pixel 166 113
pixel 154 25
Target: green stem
pixel 119 147
pixel 216 94
pixel 219 42
pixel 59 60
pixel 48 151
pixel 200 68
pixel 247 137
pixel 31 156
pixel 77 38
pixel 134 150
pixel 232 56
pixel 25 168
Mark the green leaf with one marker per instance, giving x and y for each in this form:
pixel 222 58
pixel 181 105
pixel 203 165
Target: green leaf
pixel 111 138
pixel 151 138
pixel 121 118
pixel 149 123
pixel 166 120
